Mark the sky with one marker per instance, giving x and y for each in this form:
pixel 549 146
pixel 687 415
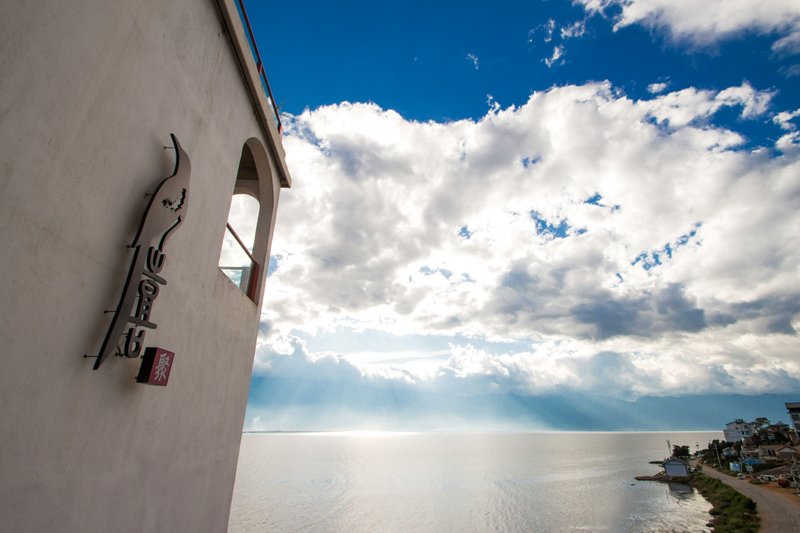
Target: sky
pixel 532 215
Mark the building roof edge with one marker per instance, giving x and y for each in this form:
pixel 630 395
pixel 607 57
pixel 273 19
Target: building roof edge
pixel 261 105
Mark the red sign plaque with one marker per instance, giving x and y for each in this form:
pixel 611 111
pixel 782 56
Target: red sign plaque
pixel 156 365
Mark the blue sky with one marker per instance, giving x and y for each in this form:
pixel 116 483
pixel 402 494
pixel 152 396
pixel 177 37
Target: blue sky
pixel 501 211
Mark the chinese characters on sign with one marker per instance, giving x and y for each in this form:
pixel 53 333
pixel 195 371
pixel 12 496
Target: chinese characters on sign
pixel 156 365
pixel 132 317
pixel 147 292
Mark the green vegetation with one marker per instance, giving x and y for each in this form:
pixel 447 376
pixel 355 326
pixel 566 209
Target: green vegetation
pixel 716 450
pixel 732 511
pixel 681 451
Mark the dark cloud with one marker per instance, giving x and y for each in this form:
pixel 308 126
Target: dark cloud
pixel 663 311
pixel 525 298
pixel 781 325
pixel 364 159
pixel 773 315
pixel 611 317
pixel 264 328
pixel 677 311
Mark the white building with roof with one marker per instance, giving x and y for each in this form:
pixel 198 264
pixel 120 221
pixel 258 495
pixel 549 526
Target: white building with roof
pixel 738 430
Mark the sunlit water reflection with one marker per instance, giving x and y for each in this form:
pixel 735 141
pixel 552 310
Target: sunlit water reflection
pixel 461 482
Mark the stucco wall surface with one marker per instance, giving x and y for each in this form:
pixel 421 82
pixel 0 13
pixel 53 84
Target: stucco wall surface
pixel 89 94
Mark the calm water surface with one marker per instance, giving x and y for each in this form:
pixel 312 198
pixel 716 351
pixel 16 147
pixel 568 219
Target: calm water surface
pixel 461 482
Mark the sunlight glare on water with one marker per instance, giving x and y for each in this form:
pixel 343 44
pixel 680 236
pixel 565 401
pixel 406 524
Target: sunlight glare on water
pixel 362 434
pixel 385 481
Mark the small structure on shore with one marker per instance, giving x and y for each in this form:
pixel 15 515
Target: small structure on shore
pixel 788 453
pixel 675 467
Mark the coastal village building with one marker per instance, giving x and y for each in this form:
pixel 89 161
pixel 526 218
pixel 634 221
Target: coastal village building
pixel 128 326
pixel 793 408
pixel 768 451
pixel 738 430
pixel 788 454
pixel 675 467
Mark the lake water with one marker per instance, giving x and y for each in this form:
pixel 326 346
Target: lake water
pixel 460 482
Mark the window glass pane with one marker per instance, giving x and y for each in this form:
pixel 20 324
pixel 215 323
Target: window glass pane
pixel 234 260
pixel 243 217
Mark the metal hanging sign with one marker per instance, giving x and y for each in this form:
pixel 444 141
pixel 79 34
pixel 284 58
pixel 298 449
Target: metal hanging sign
pixel 165 212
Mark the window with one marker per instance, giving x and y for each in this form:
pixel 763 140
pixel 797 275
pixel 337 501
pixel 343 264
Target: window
pixel 236 259
pixel 248 230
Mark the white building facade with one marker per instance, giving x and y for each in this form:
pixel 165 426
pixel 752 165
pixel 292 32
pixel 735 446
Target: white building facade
pixel 89 96
pixel 793 408
pixel 738 430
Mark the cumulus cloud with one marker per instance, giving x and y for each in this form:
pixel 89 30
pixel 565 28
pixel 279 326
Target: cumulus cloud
pixel 702 23
pixel 629 245
pixel 472 58
pixel 754 103
pixel 679 108
pixel 790 143
pixel 784 119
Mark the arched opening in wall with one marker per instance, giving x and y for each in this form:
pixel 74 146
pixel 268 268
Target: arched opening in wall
pixel 248 231
pixel 236 259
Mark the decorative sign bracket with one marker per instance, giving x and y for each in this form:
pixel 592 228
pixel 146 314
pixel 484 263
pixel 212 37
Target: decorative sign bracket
pixel 165 212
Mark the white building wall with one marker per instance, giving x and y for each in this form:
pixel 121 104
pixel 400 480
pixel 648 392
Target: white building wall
pixel 737 431
pixel 89 94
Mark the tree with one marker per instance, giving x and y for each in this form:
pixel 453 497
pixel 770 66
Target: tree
pixel 762 422
pixel 715 450
pixel 680 451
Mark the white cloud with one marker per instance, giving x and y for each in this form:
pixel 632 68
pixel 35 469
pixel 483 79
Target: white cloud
pixel 546 33
pixel 684 106
pixel 571 31
pixel 604 232
pixel 789 143
pixel 548 30
pixel 788 44
pixel 754 102
pixel 784 119
pixel 557 57
pixel 472 58
pixel 790 71
pixel 705 22
pixel 543 32
pixel 655 88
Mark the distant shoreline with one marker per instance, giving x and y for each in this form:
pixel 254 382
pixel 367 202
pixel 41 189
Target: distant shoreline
pixel 520 431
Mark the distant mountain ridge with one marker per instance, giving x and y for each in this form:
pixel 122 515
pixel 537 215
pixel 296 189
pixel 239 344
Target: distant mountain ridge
pixel 298 404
